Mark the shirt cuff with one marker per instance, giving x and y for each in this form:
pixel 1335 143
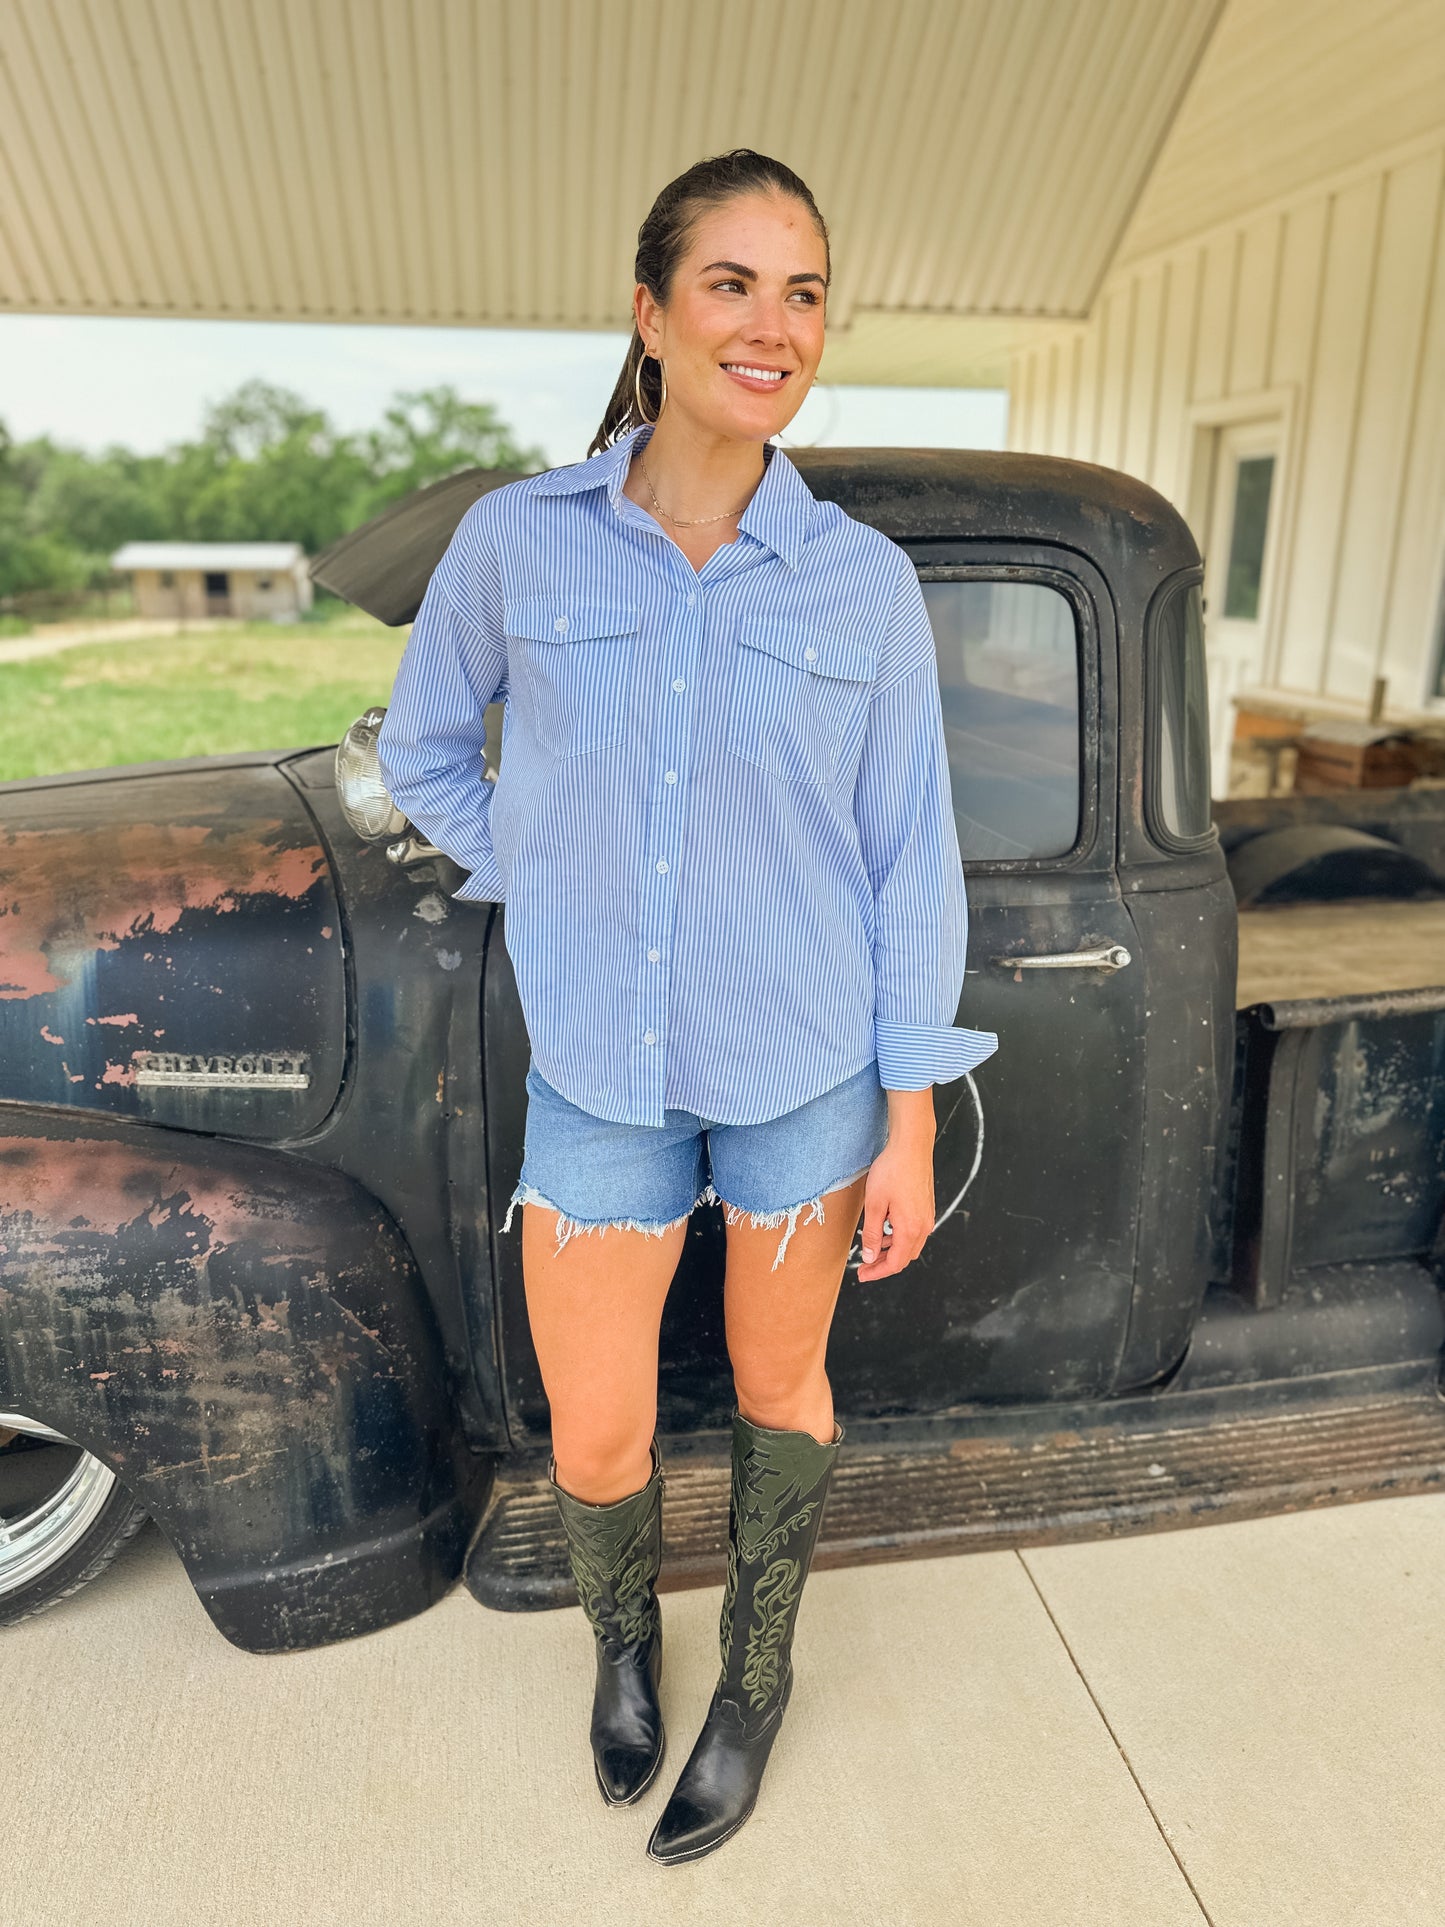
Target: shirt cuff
pixel 484 885
pixel 913 1056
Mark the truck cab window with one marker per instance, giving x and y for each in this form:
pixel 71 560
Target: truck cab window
pixel 1178 733
pixel 1008 672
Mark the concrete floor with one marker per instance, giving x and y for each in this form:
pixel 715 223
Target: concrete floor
pixel 1236 1723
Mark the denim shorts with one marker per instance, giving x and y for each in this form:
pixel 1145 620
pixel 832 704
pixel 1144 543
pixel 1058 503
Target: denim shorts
pixel 642 1177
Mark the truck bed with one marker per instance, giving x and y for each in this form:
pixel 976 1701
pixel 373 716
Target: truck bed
pixel 1370 944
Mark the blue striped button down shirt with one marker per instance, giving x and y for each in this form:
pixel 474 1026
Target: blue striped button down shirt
pixel 723 827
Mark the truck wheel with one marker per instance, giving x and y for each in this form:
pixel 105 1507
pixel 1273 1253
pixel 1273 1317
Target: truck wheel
pixel 63 1517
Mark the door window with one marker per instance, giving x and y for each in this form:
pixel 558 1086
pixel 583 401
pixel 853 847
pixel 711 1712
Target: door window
pixel 1253 479
pixel 1178 734
pixel 1008 673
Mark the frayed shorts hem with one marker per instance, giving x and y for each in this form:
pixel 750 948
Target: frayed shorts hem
pixel 568 1228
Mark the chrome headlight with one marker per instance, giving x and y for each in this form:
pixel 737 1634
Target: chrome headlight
pixel 360 785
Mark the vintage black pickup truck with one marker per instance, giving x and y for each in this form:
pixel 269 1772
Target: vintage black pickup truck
pixel 261 1109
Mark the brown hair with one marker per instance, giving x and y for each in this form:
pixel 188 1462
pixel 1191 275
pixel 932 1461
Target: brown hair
pixel 661 243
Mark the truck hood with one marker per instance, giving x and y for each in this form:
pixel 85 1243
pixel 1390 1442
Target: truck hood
pixel 171 949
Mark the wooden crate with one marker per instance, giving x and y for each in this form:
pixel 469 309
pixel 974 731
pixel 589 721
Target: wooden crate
pixel 1354 756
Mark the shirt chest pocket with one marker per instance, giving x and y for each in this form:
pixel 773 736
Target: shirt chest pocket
pixel 799 702
pixel 576 660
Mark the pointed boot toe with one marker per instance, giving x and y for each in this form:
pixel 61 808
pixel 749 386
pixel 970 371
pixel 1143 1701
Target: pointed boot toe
pixel 684 1831
pixel 624 1773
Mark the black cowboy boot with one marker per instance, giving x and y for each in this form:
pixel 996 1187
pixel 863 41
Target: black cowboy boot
pixel 615 1551
pixel 779 1483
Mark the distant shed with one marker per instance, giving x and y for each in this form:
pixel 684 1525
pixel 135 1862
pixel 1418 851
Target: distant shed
pixel 250 580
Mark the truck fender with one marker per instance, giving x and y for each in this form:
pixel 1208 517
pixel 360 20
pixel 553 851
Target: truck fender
pixel 243 1337
pixel 1322 862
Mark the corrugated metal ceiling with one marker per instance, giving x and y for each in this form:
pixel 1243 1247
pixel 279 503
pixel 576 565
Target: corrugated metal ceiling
pixel 488 161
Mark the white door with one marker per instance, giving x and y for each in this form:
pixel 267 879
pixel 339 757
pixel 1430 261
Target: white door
pixel 1236 564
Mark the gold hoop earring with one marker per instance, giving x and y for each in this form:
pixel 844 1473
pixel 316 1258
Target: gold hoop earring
pixel 636 390
pixel 642 413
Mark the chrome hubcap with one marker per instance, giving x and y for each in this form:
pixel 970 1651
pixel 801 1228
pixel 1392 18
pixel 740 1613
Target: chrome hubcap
pixel 50 1494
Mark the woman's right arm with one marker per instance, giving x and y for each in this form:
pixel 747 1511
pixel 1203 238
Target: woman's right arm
pixel 432 737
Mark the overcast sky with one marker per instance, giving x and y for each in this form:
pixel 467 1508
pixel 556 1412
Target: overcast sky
pixel 90 381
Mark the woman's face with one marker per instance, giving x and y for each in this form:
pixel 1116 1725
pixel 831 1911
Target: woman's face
pixel 748 294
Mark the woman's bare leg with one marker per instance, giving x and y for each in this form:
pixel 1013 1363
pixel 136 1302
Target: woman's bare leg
pixel 595 1308
pixel 778 1321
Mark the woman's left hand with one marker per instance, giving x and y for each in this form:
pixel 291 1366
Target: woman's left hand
pixel 900 1189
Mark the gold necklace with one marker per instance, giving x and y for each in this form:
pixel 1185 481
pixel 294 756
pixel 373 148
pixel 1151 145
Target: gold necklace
pixel 695 521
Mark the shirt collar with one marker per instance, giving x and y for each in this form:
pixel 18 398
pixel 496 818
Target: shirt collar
pixel 779 515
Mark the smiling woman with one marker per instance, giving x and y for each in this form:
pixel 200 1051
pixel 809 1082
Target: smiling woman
pixel 735 910
pixel 732 272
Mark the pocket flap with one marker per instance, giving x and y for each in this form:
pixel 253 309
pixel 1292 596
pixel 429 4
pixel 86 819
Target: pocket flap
pixel 561 619
pixel 823 652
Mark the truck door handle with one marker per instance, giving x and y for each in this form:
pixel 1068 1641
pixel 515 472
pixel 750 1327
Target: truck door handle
pixel 1108 956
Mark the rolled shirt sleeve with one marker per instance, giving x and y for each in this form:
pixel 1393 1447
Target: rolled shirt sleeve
pixel 433 735
pixel 903 806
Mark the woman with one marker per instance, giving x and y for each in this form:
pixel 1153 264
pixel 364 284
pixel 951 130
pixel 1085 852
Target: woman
pixel 735 910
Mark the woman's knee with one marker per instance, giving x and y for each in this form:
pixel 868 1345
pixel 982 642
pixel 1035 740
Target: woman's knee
pixel 599 1461
pixel 773 1393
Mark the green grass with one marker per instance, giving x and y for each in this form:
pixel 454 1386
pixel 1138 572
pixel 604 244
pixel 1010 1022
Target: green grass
pixel 261 685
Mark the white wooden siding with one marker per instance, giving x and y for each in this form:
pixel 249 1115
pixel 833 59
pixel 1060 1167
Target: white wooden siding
pixel 1334 301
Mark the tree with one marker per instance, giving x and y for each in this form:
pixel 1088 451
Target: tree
pixel 267 466
pixel 430 433
pixel 30 557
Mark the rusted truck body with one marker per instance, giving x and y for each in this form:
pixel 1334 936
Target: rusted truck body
pixel 262 1107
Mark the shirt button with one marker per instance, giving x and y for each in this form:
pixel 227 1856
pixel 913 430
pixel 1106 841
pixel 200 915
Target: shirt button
pixel 653 955
pixel 810 655
pixel 662 863
pixel 561 622
pixel 649 1037
pixel 670 777
pixel 691 600
pixel 678 683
